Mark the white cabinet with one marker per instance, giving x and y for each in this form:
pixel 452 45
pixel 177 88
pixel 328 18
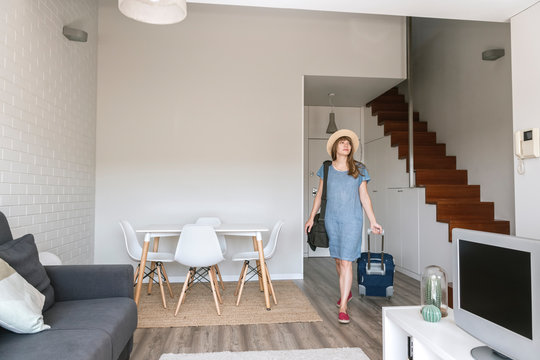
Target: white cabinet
pixel 412 234
pixel 393 240
pixel 441 340
pixel 395 205
pixel 402 229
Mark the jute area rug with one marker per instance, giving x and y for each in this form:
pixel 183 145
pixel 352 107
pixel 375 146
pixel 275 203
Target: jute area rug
pixel 199 308
pixel 312 354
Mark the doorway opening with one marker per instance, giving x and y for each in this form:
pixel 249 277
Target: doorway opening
pixel 348 106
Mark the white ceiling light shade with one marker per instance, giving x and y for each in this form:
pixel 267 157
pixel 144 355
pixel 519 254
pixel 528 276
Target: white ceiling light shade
pixel 160 12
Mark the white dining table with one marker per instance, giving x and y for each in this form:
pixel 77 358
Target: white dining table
pixel 254 231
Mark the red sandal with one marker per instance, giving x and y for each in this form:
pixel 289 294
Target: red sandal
pixel 344 318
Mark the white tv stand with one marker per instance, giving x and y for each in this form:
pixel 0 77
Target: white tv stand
pixel 440 340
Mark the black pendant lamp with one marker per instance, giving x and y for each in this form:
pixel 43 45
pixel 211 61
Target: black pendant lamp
pixel 332 127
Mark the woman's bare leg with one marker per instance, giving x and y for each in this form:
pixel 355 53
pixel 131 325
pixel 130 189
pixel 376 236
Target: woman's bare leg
pixel 345 282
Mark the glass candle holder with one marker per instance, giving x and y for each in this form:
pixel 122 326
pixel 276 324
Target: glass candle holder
pixel 434 288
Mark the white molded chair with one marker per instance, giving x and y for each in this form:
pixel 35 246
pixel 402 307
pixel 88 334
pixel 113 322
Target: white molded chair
pixel 198 248
pixel 47 258
pixel 215 221
pixel 248 256
pixel 134 250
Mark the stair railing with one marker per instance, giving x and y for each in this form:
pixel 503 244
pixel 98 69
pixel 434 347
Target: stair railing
pixel 411 112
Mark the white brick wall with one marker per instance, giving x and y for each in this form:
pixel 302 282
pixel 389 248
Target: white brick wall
pixel 47 124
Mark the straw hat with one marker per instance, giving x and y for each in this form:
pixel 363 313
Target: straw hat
pixel 340 133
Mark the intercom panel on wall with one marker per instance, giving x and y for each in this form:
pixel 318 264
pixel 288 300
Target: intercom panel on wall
pixel 527 143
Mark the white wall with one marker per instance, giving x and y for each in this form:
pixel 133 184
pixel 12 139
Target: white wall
pixel 205 117
pixel 468 101
pixel 47 124
pixel 525 82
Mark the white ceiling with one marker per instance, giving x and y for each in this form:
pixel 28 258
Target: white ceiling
pixel 349 91
pixel 480 10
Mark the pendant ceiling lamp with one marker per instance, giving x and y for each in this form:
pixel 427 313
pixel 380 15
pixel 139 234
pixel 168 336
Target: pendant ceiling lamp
pixel 332 127
pixel 160 12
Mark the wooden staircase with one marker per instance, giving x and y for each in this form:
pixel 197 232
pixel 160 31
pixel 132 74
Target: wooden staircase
pixel 458 203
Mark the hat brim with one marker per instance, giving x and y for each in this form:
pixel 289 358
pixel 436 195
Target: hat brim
pixel 343 132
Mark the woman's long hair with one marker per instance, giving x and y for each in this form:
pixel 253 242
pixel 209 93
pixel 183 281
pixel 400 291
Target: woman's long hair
pixel 352 164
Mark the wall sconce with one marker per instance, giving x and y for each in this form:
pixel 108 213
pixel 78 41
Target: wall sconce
pixel 75 34
pixel 160 12
pixel 332 127
pixel 493 54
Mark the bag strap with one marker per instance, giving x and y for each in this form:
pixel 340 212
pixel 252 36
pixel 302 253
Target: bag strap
pixel 326 164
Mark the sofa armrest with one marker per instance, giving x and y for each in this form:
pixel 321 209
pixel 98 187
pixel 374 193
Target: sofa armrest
pixel 80 282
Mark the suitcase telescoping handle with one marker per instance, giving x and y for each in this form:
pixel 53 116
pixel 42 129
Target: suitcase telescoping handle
pixel 369 232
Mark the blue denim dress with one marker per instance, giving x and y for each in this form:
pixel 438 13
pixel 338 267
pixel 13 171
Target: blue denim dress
pixel 344 213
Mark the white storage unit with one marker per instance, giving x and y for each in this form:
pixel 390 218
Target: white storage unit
pixel 403 229
pixel 440 340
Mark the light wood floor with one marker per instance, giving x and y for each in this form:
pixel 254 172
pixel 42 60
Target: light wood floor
pixel 321 287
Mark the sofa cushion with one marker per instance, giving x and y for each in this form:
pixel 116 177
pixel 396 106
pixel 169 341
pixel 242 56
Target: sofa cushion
pixel 85 344
pixel 20 303
pixel 22 255
pixel 5 231
pixel 117 317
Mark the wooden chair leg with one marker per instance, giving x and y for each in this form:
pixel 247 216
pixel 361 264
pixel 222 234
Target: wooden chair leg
pixel 158 268
pixel 192 277
pixel 271 287
pixel 214 292
pixel 167 280
pixel 213 270
pixel 258 265
pixel 135 276
pixel 183 293
pixel 240 278
pixel 242 285
pixel 151 277
pixel 216 267
pixel 153 267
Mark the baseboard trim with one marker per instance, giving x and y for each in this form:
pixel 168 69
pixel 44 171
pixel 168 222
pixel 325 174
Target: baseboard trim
pixel 181 279
pixel 408 273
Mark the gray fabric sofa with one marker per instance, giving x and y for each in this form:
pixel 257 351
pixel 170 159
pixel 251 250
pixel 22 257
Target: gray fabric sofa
pixel 93 315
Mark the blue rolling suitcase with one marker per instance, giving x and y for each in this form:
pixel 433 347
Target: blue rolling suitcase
pixel 376 277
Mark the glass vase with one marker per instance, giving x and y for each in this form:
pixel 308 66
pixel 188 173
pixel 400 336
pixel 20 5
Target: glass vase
pixel 434 288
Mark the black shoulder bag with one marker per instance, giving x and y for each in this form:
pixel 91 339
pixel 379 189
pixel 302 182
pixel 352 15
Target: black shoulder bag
pixel 317 236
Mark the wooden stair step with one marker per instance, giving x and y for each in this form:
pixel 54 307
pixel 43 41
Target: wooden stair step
pixel 426 177
pixel 449 210
pixel 458 203
pixel 395 125
pixel 388 98
pixel 436 149
pixel 420 138
pixel 435 193
pixel 378 106
pixel 494 226
pixel 433 162
pixel 385 115
pixel 392 91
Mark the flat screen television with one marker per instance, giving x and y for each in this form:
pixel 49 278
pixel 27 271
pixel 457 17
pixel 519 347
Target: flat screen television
pixel 497 293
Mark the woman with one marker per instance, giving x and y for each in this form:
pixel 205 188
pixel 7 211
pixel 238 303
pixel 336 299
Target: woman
pixel 346 199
